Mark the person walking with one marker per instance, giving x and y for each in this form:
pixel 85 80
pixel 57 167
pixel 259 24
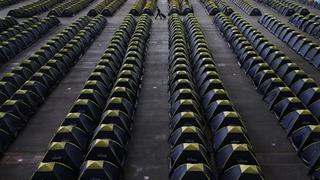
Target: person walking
pixel 160 14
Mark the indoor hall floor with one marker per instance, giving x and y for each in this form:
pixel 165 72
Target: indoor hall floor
pixel 148 148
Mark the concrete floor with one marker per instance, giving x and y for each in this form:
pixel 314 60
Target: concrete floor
pixel 148 148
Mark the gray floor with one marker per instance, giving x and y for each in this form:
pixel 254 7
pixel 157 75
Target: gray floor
pixel 148 148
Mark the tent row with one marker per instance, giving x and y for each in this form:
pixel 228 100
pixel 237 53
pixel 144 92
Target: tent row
pixel 27 86
pixel 248 7
pixel 140 7
pixel 33 8
pixel 280 84
pixel 106 7
pixel 19 37
pixel 91 142
pixel 285 7
pixel 294 39
pixel 198 104
pixel 182 7
pixel 69 8
pixel 309 24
